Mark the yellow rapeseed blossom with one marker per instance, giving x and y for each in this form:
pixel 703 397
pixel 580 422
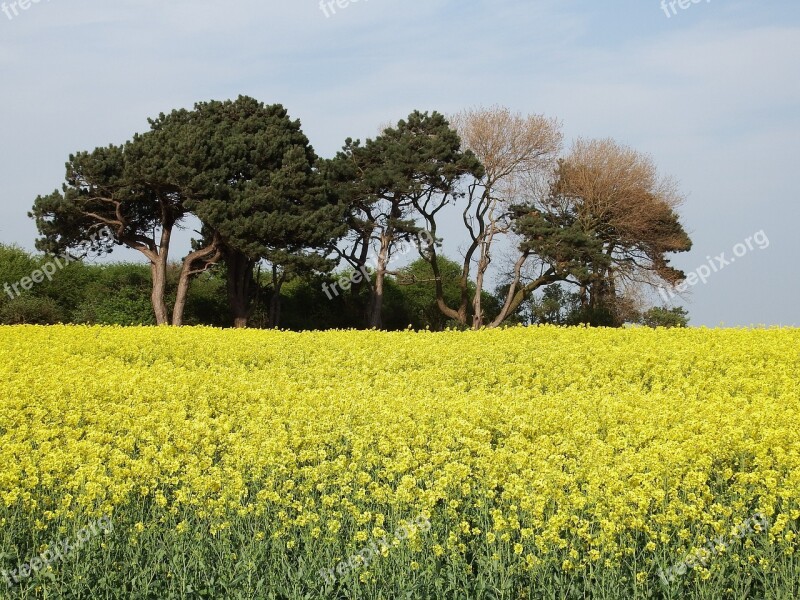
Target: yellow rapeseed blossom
pixel 533 446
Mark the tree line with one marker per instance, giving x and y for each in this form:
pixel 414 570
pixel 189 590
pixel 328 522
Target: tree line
pixel 571 236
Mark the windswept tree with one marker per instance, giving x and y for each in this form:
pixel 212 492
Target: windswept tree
pixel 176 155
pixel 518 154
pixel 99 191
pixel 142 192
pixel 610 221
pixel 243 170
pixel 418 162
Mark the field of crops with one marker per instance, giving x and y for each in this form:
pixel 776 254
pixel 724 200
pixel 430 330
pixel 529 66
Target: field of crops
pixel 523 463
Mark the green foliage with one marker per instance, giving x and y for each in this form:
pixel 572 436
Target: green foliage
pixel 98 189
pixel 49 301
pixel 594 316
pixel 253 179
pixel 255 187
pixel 15 264
pixel 264 198
pixel 207 303
pixel 306 307
pixel 381 184
pixel 31 310
pixel 107 294
pixel 662 316
pixel 378 182
pixel 418 286
pixel 117 294
pixel 175 557
pixel 555 306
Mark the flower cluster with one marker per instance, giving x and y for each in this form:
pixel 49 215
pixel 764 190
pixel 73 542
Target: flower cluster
pixel 375 549
pixel 530 450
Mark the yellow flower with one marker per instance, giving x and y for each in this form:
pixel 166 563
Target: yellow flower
pixel 561 443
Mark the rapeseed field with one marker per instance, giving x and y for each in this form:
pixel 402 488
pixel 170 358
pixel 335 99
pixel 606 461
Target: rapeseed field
pixel 520 463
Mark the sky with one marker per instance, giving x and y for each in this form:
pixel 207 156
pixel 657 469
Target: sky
pixel 710 91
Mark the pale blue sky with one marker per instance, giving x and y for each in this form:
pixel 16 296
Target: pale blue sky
pixel 712 93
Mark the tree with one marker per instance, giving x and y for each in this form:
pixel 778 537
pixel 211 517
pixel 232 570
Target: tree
pixel 418 285
pixel 414 164
pixel 99 192
pixel 243 169
pixel 179 158
pixel 609 223
pixel 662 316
pixel 262 198
pixel 517 154
pixel 142 191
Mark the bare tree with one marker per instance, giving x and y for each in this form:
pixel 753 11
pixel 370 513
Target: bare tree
pixel 518 154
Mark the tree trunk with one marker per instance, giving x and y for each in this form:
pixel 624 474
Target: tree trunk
pixel 275 310
pixel 477 317
pixel 275 301
pixel 156 252
pixel 478 241
pixel 459 315
pixel 477 301
pixel 240 285
pixel 159 257
pixel 158 269
pixel 207 256
pixel 375 320
pixel 486 239
pixel 518 293
pixel 180 297
pixel 359 263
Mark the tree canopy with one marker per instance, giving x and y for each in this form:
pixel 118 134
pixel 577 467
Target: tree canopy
pixel 268 213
